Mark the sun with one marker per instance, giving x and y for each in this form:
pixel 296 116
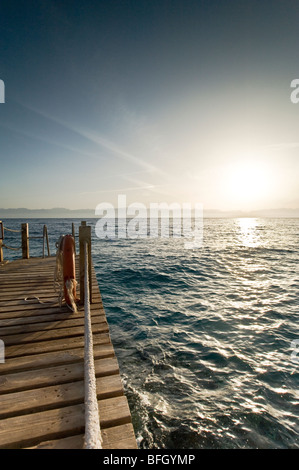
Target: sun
pixel 247 182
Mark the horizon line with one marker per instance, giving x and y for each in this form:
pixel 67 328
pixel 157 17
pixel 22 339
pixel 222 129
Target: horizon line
pixel 9 212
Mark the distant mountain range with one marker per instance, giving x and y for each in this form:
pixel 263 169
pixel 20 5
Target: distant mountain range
pixel 23 213
pixel 56 212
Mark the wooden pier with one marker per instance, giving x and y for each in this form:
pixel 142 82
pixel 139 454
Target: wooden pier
pixel 42 378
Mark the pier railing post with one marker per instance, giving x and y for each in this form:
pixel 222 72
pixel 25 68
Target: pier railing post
pixel 74 234
pixel 1 240
pixel 45 240
pixel 85 237
pixel 25 241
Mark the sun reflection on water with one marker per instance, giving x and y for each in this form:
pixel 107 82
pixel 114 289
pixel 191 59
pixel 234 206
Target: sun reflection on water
pixel 248 233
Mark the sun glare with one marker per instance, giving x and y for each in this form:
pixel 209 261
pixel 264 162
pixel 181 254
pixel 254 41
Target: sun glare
pixel 247 182
pixel 248 234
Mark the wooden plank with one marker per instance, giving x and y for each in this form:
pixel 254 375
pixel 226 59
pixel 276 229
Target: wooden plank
pixel 71 372
pixel 119 437
pixel 36 400
pixel 53 334
pixel 116 437
pixel 66 443
pixel 30 429
pixel 67 356
pixel 50 317
pixel 47 300
pixel 69 321
pixel 52 345
pixel 40 284
pixel 13 309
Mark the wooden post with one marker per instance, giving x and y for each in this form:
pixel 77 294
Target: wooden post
pixel 85 236
pixel 25 241
pixel 45 236
pixel 74 234
pixel 47 240
pixel 1 240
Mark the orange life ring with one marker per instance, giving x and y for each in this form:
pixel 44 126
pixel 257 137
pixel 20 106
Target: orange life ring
pixel 69 267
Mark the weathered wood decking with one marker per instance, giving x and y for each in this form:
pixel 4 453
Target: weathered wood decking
pixel 41 381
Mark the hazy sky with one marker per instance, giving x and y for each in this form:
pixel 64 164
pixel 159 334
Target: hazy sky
pixel 163 101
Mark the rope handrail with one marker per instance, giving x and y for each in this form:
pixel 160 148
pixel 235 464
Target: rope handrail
pixel 11 247
pixel 11 230
pixel 93 439
pixel 25 240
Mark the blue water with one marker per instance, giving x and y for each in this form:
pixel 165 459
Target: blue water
pixel 203 337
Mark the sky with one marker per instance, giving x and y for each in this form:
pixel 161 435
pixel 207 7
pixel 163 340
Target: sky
pixel 162 101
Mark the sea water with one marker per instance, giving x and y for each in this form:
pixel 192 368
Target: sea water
pixel 206 339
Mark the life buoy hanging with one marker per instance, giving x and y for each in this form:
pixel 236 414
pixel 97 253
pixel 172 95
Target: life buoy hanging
pixel 69 269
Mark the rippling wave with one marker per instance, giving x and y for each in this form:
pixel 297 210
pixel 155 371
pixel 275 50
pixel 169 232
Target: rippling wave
pixel 203 337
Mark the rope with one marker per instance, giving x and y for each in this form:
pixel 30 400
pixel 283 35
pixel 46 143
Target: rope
pixel 70 285
pixel 48 302
pixel 93 439
pixel 10 247
pixel 11 230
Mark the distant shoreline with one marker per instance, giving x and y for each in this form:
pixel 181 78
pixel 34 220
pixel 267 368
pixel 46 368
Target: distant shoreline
pixel 60 213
